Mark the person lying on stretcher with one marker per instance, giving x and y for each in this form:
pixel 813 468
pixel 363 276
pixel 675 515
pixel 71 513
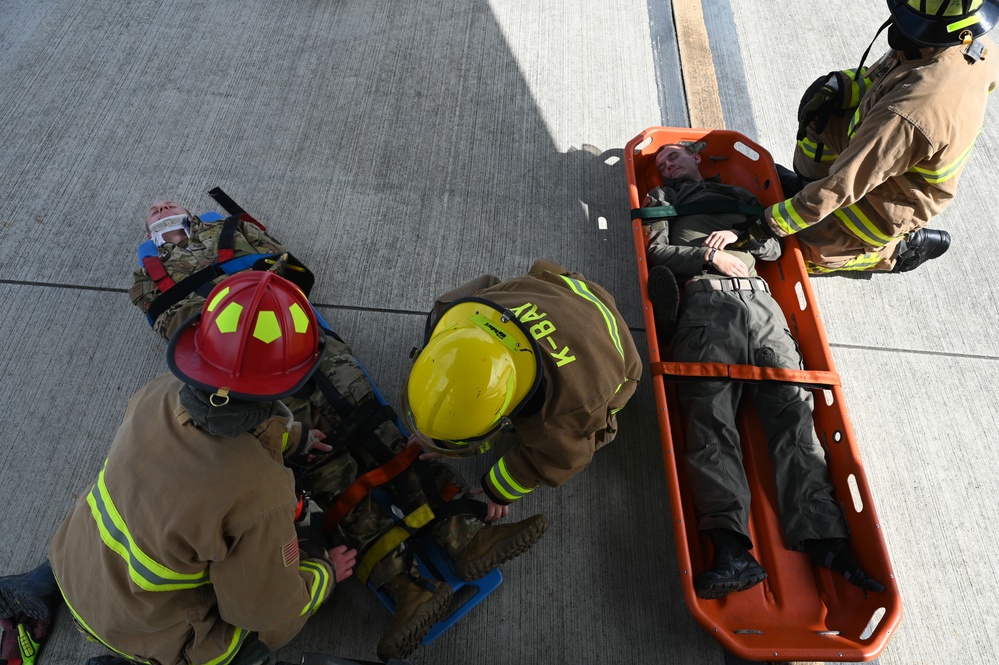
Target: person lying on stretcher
pixel 729 317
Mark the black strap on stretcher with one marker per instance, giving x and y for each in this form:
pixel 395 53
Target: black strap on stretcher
pixel 232 207
pixel 654 214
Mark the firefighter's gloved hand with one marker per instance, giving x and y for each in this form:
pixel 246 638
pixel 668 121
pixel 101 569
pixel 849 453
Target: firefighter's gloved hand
pixel 754 229
pixel 22 638
pixel 823 98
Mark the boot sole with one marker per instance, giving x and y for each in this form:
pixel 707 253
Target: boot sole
pixel 406 640
pixel 19 595
pixel 476 568
pixel 721 589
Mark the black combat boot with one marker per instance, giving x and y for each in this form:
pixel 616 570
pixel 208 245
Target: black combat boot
pixel 29 594
pixel 919 247
pixel 733 568
pixel 835 553
pixel 790 181
pixel 664 294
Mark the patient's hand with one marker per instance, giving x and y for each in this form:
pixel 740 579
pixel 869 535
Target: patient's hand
pixel 729 265
pixel 720 239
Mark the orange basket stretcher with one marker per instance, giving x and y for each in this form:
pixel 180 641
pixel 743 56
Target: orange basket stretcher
pixel 800 612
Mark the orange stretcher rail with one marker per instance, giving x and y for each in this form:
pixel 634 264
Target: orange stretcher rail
pixel 800 612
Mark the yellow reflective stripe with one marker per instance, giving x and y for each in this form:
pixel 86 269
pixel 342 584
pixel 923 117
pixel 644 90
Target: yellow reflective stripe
pixel 583 291
pixel 862 227
pixel 505 484
pixel 238 636
pixel 320 583
pixel 858 88
pixel 284 442
pixel 971 20
pixel 947 172
pixel 787 217
pixel 854 121
pixel 862 262
pixel 89 632
pixel 142 569
pixel 392 538
pixel 810 148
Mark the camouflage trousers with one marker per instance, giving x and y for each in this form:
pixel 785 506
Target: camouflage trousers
pixel 357 453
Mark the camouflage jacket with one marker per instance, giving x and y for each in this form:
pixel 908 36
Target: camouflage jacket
pixel 187 257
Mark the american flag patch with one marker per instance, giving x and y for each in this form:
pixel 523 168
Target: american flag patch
pixel 289 553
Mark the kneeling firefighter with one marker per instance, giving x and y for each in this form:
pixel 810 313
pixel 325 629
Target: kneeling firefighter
pixel 184 550
pixel 545 358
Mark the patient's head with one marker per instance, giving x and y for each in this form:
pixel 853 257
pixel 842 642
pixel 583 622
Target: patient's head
pixel 678 161
pixel 167 221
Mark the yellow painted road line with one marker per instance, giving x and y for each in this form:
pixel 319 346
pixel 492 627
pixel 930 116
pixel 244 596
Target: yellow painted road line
pixel 698 67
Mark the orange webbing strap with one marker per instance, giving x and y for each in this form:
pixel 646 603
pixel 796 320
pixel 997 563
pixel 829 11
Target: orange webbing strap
pixel 360 487
pixel 156 271
pixel 751 373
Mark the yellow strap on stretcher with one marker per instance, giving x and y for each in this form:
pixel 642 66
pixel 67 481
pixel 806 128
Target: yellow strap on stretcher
pixel 392 539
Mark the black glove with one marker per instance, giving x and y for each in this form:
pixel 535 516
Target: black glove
pixel 822 99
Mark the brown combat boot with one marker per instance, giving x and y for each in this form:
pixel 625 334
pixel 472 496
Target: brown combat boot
pixel 493 545
pixel 417 609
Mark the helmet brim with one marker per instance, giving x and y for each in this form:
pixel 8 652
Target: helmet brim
pixel 938 32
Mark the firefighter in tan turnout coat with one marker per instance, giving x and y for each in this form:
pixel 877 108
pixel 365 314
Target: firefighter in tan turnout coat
pixel 880 151
pixel 184 550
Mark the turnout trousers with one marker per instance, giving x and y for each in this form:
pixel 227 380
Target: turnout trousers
pixel 748 328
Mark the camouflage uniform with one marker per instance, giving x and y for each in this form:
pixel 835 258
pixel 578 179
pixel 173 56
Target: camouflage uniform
pixel 187 257
pixel 333 474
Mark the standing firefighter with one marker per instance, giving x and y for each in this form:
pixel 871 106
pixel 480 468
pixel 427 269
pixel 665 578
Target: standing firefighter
pixel 880 150
pixel 545 356
pixel 185 550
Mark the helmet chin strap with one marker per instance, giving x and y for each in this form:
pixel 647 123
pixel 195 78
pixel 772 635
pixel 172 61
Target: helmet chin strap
pixel 863 58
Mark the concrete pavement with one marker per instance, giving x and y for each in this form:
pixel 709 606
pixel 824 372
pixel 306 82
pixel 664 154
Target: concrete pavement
pixel 402 149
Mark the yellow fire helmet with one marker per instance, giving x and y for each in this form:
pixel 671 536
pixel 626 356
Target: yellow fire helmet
pixel 478 367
